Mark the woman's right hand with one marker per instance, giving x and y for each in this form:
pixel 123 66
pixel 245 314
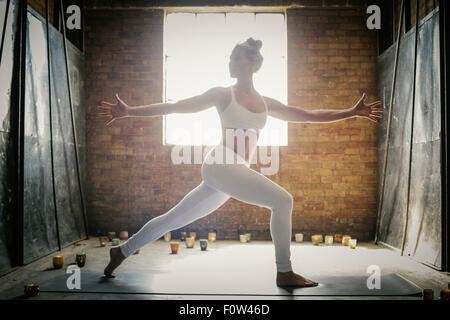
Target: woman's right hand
pixel 114 111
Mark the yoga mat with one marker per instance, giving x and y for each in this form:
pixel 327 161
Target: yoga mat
pixel 182 283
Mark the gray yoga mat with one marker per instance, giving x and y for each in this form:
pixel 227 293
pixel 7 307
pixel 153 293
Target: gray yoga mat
pixel 165 284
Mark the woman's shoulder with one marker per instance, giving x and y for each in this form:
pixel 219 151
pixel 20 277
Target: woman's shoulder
pixel 223 97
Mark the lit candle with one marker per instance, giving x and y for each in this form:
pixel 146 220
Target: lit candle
pixel 174 247
pixel 183 236
pixel 102 241
pixel 58 262
pixel 30 289
pixel 115 241
pixel 299 237
pixel 212 236
pixel 428 294
pixel 193 235
pixel 123 235
pixel 316 239
pixel 168 236
pixel 338 238
pixel 445 293
pixel 190 242
pixel 352 243
pixel 243 238
pixel 249 236
pixel 203 244
pixel 81 259
pixel 111 235
pixel 345 240
pixel 329 240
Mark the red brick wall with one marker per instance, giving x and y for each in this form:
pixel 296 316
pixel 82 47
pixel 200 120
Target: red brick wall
pixel 330 169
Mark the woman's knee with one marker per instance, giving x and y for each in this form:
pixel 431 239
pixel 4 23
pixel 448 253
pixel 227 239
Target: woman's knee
pixel 284 200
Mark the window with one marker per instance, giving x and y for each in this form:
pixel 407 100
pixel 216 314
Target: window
pixel 197 48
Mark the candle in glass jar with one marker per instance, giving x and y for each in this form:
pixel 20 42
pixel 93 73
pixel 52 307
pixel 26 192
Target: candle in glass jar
pixel 316 239
pixel 345 240
pixel 182 235
pixel 338 238
pixel 243 238
pixel 167 236
pixel 102 241
pixel 81 259
pixel 203 244
pixel 329 240
pixel 30 289
pixel 123 235
pixel 299 237
pixel 249 236
pixel 111 235
pixel 428 294
pixel 190 242
pixel 174 247
pixel 212 236
pixel 115 241
pixel 58 262
pixel 352 243
pixel 192 235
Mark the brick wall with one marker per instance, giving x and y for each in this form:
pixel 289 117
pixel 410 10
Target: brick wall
pixel 330 169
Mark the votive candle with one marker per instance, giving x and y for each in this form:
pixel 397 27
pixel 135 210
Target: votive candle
pixel 203 244
pixel 345 240
pixel 352 243
pixel 183 235
pixel 102 241
pixel 316 239
pixel 30 289
pixel 338 238
pixel 168 236
pixel 243 238
pixel 123 235
pixel 58 261
pixel 174 247
pixel 192 235
pixel 212 236
pixel 190 242
pixel 81 259
pixel 299 237
pixel 329 240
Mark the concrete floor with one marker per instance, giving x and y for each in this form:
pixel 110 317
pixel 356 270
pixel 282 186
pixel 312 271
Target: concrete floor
pixel 227 258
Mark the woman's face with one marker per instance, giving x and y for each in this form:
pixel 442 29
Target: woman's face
pixel 239 63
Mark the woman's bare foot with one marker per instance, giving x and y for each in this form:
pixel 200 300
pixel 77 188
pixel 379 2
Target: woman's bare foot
pixel 116 257
pixel 291 279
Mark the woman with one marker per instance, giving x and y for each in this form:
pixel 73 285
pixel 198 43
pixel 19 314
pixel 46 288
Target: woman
pixel 240 107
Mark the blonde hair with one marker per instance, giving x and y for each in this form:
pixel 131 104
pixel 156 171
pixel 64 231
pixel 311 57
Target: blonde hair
pixel 252 47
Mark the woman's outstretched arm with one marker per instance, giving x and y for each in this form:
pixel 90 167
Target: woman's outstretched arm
pixel 190 105
pixel 296 114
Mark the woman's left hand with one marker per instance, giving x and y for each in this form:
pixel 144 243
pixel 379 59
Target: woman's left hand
pixel 369 111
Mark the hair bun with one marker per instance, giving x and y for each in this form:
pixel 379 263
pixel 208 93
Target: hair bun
pixel 254 43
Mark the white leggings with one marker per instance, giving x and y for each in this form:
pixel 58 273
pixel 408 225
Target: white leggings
pixel 220 182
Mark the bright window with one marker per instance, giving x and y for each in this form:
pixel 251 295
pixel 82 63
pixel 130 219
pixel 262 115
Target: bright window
pixel 197 48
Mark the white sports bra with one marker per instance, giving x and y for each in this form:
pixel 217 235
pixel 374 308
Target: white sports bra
pixel 236 116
